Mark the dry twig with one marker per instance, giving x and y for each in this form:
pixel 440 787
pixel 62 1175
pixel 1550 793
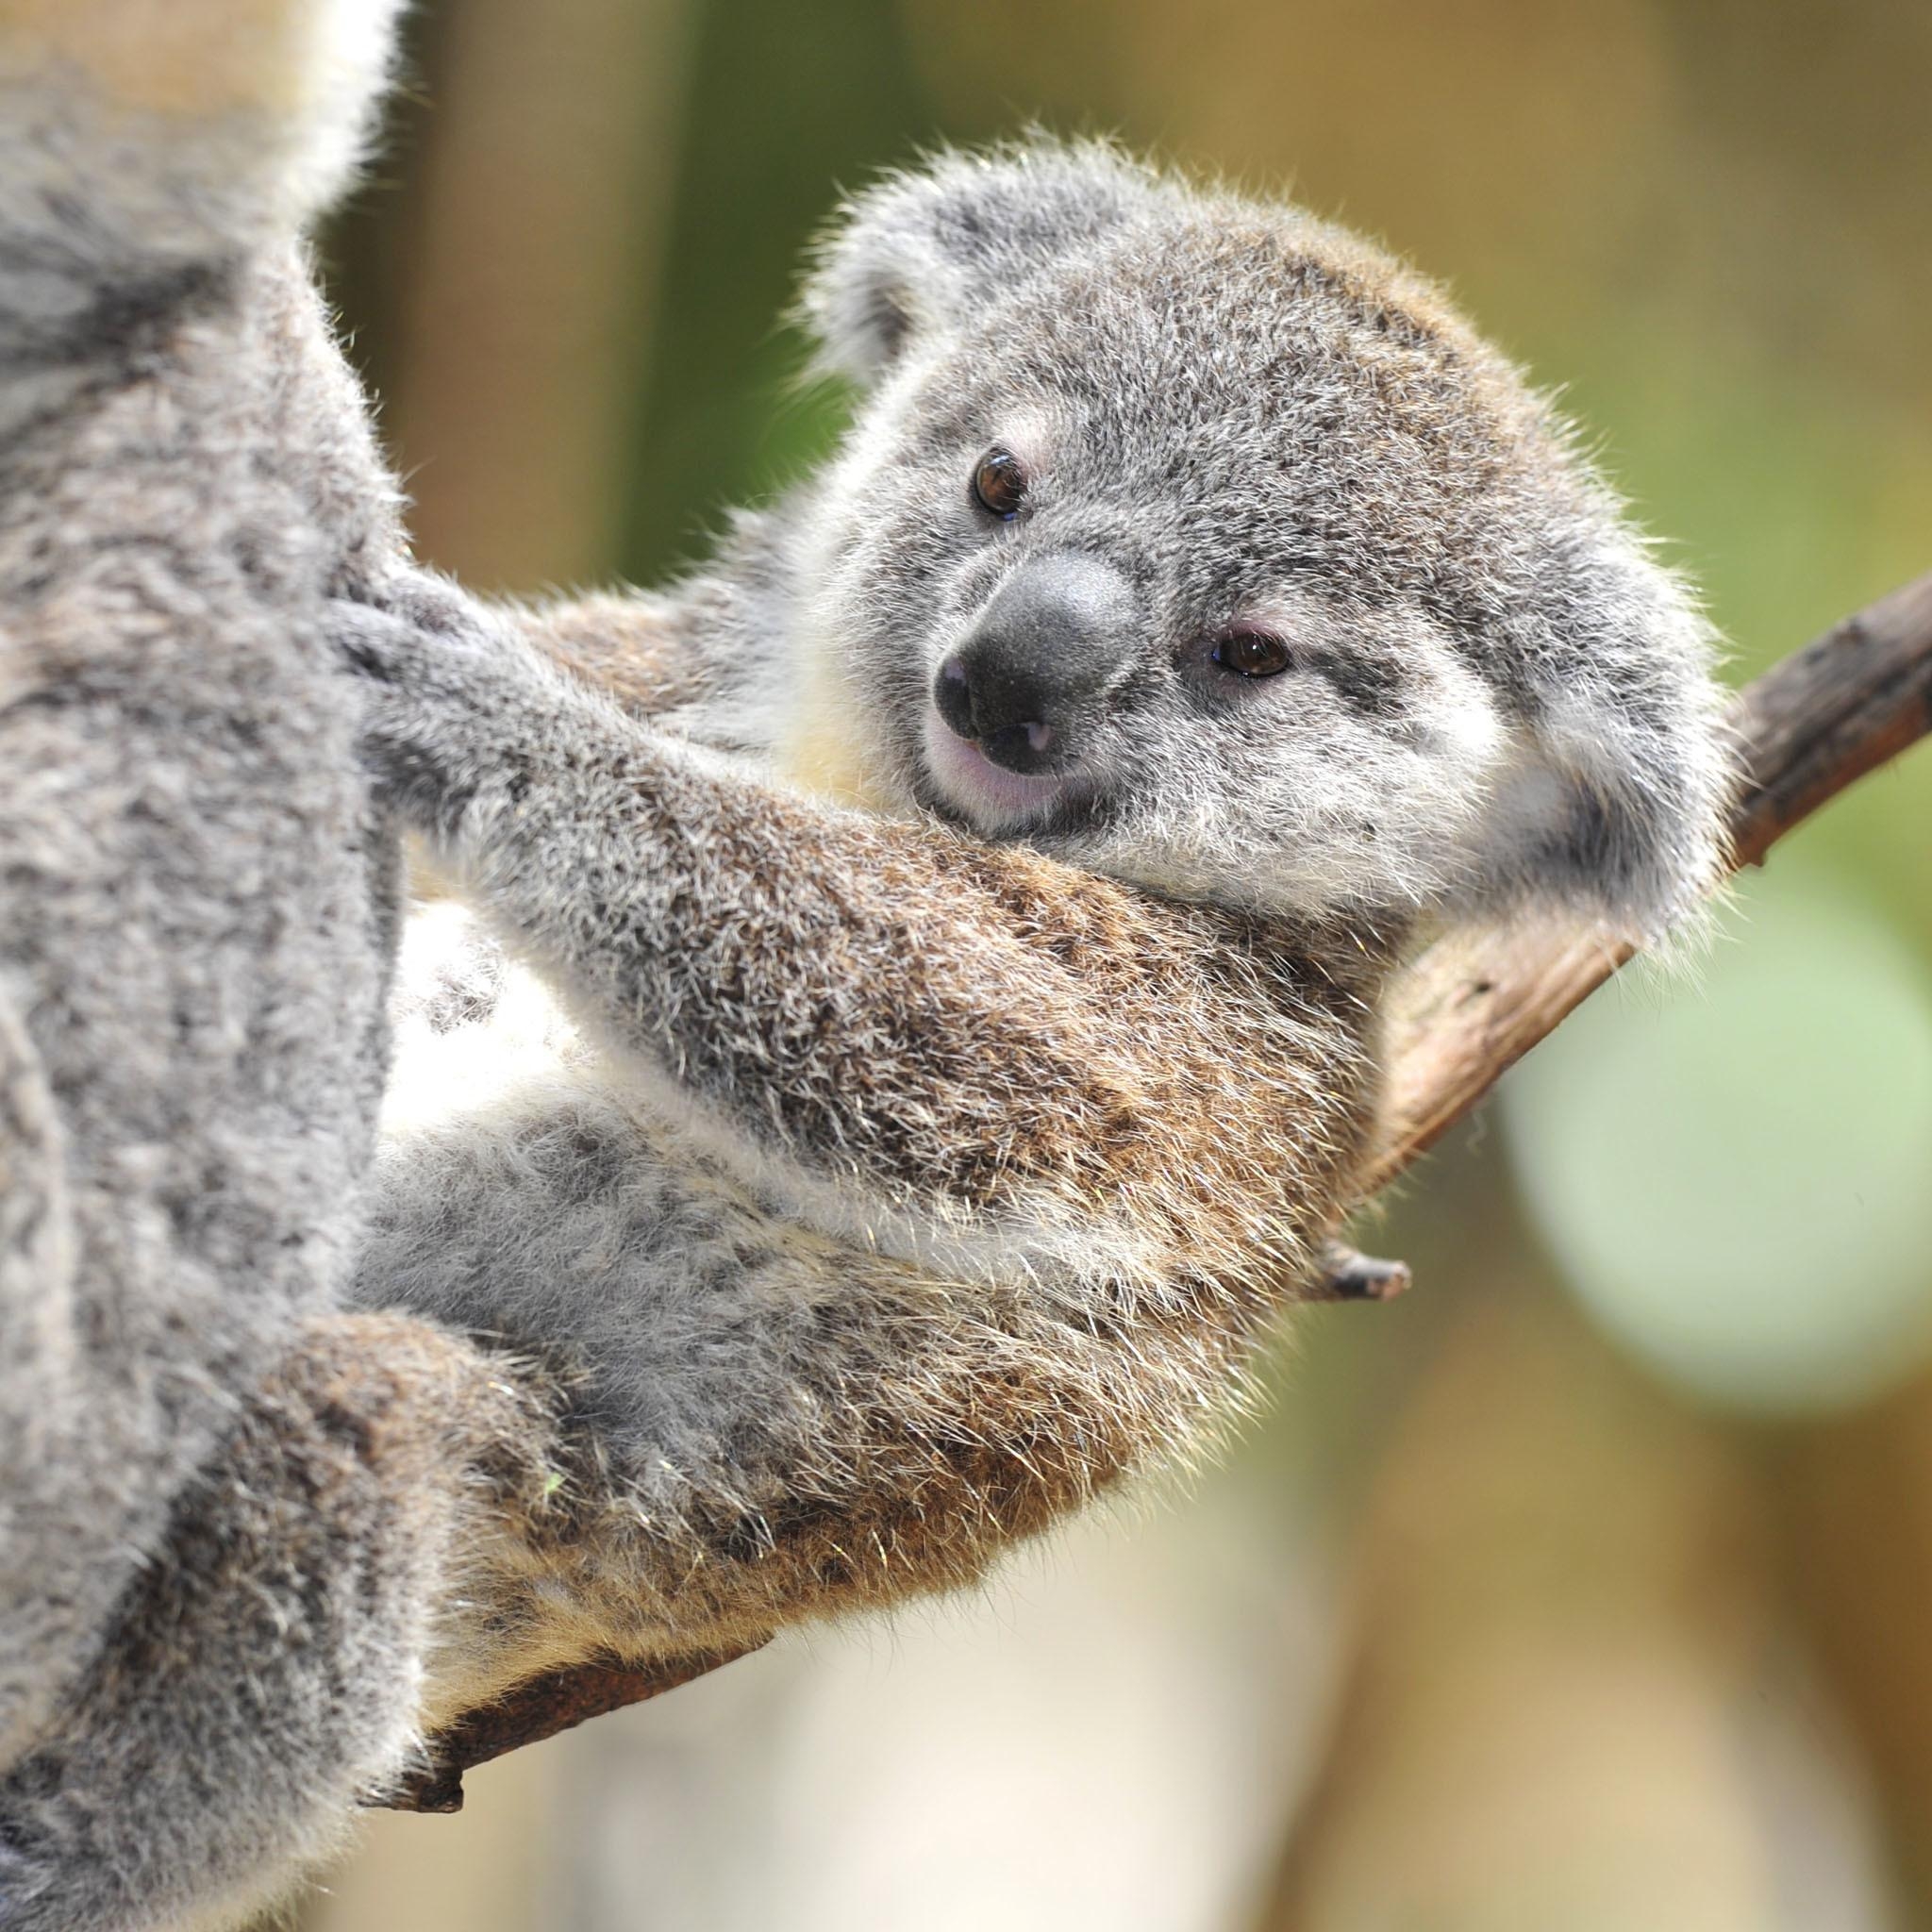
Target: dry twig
pixel 1466 1012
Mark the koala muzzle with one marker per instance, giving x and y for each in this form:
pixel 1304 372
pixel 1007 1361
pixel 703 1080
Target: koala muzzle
pixel 1045 651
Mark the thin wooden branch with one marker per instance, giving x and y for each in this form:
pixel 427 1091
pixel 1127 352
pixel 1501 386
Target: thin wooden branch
pixel 542 1708
pixel 1468 1011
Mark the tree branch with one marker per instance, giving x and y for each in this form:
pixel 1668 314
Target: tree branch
pixel 542 1708
pixel 1460 1018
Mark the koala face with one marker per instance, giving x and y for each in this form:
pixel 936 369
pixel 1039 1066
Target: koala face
pixel 1203 547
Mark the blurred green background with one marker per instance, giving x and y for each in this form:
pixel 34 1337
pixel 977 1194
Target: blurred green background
pixel 1587 1587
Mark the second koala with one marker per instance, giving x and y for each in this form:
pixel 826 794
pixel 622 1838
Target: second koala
pixel 951 940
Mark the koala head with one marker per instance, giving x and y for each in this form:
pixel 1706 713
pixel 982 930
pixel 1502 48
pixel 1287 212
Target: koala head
pixel 1201 544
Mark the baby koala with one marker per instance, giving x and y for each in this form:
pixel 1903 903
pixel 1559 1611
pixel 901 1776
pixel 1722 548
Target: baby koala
pixel 951 928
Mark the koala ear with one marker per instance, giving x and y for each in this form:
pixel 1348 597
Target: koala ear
pixel 1623 809
pixel 913 255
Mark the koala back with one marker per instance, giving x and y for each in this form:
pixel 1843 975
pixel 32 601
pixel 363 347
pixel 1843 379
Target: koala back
pixel 197 900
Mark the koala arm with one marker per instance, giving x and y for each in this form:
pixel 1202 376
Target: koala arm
pixel 864 1015
pixel 902 1191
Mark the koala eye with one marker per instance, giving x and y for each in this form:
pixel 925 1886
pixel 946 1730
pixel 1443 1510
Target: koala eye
pixel 999 484
pixel 1252 654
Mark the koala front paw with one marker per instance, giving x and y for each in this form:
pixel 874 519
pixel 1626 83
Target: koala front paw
pixel 416 760
pixel 448 700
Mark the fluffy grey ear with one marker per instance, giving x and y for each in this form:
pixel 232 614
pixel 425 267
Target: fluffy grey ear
pixel 916 252
pixel 1623 809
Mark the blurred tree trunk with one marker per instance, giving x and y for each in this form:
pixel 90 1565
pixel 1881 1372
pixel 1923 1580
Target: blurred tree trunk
pixel 535 226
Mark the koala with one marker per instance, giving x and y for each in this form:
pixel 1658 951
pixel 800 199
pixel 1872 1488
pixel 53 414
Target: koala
pixel 227 1500
pixel 922 1023
pixel 915 1021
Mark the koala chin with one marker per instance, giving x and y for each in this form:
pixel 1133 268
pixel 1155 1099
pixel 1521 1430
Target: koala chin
pixel 916 1022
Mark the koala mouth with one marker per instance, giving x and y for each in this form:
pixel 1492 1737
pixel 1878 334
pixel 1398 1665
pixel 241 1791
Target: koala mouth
pixel 966 784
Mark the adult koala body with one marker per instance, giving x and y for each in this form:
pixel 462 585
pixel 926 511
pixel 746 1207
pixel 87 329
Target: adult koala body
pixel 1196 612
pixel 225 1502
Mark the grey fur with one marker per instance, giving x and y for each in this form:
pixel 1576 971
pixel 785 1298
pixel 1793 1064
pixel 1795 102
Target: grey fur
pixel 216 1580
pixel 793 1202
pixel 805 1074
pixel 1254 412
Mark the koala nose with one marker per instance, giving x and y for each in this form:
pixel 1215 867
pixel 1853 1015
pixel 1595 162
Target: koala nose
pixel 1041 654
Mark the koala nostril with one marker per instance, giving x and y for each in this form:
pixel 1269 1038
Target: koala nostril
pixel 973 712
pixel 952 691
pixel 1022 747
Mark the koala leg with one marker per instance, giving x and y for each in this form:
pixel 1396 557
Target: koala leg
pixel 263 1675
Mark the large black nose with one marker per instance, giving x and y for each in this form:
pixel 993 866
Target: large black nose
pixel 1042 655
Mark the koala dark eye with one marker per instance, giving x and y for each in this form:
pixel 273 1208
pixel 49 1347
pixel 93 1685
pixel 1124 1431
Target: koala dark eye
pixel 999 484
pixel 1252 654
